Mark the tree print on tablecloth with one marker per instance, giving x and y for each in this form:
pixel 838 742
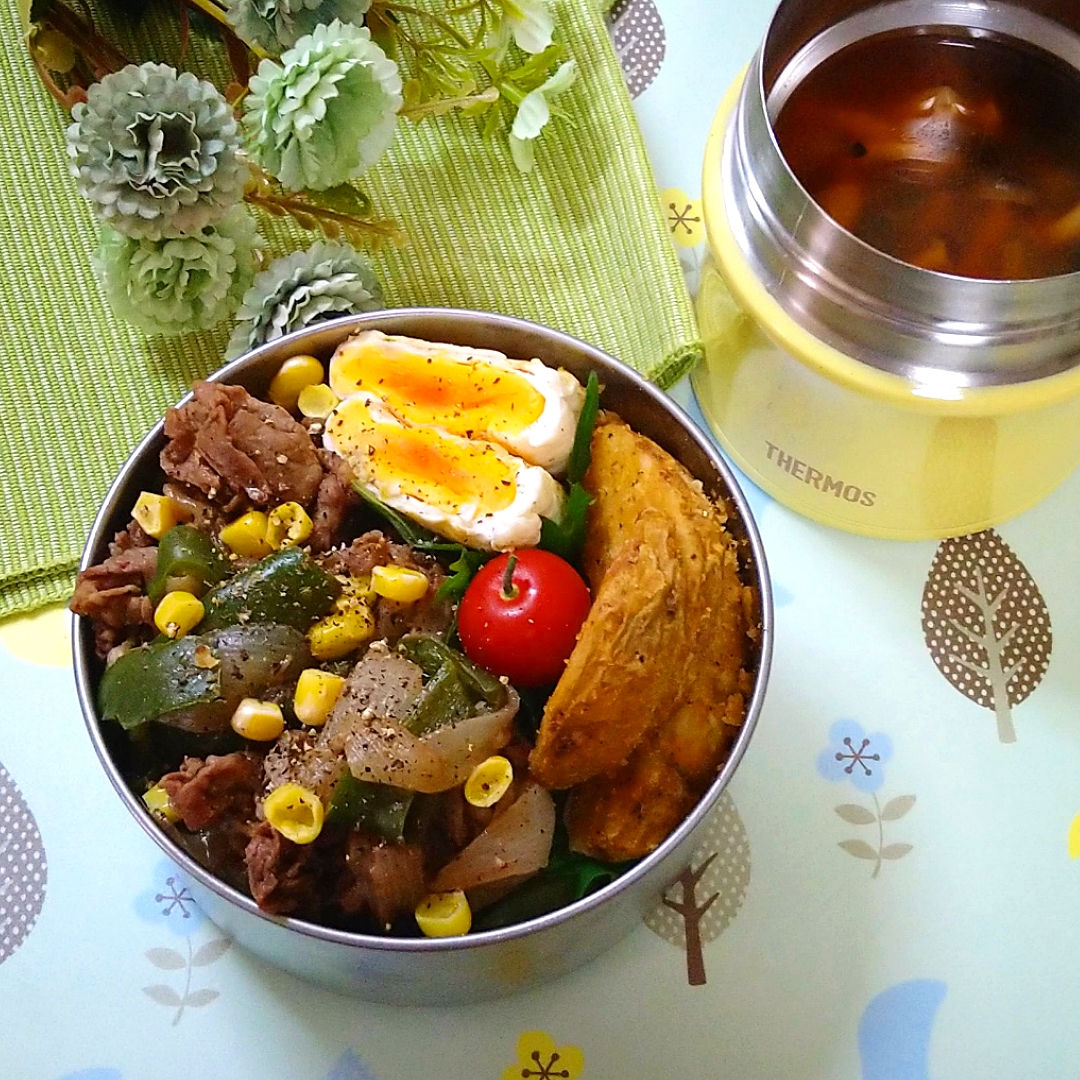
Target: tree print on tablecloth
pixel 854 757
pixel 705 898
pixel 986 624
pixel 638 34
pixel 23 872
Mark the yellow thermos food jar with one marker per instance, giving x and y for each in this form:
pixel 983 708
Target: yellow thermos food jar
pixel 904 365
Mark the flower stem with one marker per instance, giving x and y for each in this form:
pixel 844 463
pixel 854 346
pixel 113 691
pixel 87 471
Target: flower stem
pixel 407 9
pixel 441 105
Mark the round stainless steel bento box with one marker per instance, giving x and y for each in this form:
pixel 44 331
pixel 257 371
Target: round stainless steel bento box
pixel 417 971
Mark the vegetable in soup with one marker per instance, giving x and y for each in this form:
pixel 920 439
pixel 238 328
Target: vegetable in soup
pixel 955 153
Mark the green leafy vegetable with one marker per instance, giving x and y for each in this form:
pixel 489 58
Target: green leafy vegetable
pixel 416 536
pixel 464 568
pixel 566 536
pixel 581 451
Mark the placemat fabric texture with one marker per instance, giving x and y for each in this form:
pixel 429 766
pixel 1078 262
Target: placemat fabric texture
pixel 579 244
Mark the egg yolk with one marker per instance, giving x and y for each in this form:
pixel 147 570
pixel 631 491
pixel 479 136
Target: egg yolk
pixel 441 470
pixel 466 397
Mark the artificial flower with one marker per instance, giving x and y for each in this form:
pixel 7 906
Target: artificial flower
pixel 182 283
pixel 327 111
pixel 535 111
pixel 275 25
pixel 322 282
pixel 157 153
pixel 529 22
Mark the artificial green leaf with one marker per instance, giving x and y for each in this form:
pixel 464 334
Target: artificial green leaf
pixel 344 198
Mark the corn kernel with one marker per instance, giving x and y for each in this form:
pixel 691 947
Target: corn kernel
pixel 178 613
pixel 316 693
pixel 295 812
pixel 246 536
pixel 296 373
pixel 317 401
pixel 354 591
pixel 338 635
pixel 156 514
pixel 287 525
pixel 260 721
pixel 156 800
pixel 445 914
pixel 399 583
pixel 489 781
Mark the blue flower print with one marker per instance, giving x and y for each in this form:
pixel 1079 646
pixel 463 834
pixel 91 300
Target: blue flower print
pixel 853 755
pixel 168 901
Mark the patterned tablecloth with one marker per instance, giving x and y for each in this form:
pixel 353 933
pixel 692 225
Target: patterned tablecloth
pixel 889 890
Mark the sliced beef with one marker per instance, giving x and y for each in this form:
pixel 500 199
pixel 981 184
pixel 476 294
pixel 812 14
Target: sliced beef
pixel 283 877
pixel 205 793
pixel 333 501
pixel 113 593
pixel 381 878
pixel 224 441
pixel 360 557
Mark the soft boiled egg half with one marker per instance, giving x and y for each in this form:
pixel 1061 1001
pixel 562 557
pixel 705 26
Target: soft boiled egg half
pixel 426 428
pixel 525 406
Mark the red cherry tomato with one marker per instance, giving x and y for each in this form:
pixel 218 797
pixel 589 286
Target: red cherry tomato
pixel 525 632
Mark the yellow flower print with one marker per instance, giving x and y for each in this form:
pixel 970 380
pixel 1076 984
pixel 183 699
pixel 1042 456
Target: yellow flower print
pixel 1074 838
pixel 684 217
pixel 540 1059
pixel 41 638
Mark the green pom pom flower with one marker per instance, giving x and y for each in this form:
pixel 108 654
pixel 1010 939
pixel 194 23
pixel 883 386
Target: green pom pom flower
pixel 305 287
pixel 326 112
pixel 275 25
pixel 156 153
pixel 183 283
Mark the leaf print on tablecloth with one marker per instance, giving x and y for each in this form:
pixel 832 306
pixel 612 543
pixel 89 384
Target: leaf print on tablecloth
pixel 705 898
pixel 350 1066
pixel 638 35
pixel 986 624
pixel 23 871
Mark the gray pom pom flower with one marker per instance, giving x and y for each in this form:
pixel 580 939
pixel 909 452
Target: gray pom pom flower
pixel 183 283
pixel 325 113
pixel 157 153
pixel 323 282
pixel 276 25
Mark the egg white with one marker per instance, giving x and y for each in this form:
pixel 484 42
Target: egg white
pixel 545 442
pixel 536 492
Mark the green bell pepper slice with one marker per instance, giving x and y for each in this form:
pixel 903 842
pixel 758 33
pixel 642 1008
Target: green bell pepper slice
pixel 375 808
pixel 187 558
pixel 287 588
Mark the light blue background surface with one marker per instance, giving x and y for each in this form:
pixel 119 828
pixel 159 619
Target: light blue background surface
pixel 959 961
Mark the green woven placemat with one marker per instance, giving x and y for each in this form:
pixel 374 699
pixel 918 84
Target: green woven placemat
pixel 580 244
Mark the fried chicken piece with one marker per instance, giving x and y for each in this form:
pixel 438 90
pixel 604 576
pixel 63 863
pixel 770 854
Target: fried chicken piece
pixel 645 712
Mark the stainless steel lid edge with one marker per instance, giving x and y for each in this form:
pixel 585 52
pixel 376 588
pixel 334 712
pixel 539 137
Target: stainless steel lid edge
pixel 883 312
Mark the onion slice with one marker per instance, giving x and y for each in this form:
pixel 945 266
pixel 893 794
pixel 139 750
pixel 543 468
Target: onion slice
pixel 516 843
